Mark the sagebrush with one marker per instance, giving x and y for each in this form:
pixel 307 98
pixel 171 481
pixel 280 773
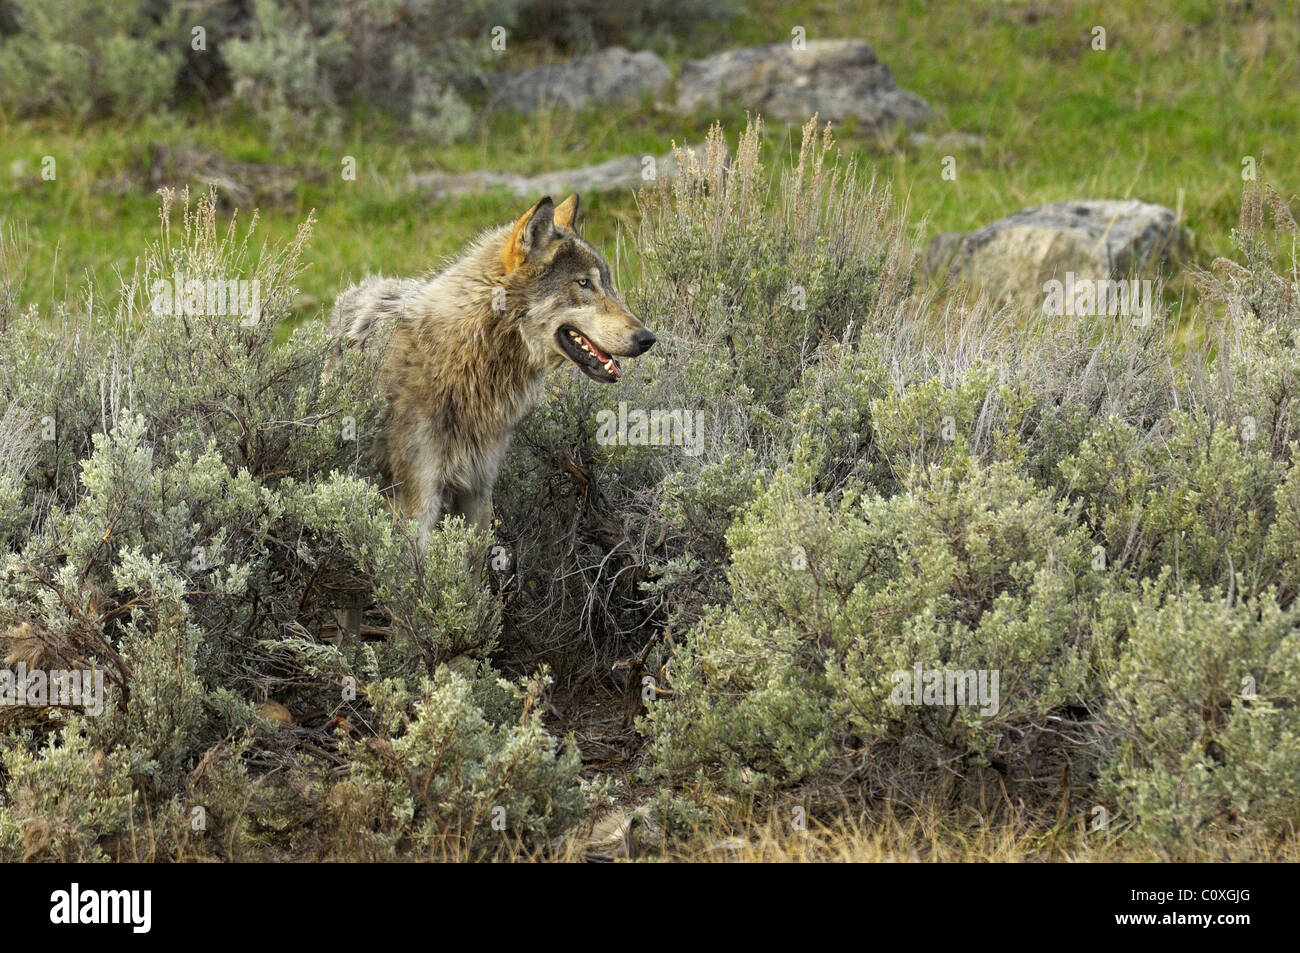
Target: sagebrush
pixel 1105 514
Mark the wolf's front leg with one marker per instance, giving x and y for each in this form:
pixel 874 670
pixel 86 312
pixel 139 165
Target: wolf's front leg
pixel 477 510
pixel 424 504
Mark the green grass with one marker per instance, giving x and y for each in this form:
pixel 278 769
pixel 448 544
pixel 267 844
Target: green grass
pixel 1164 114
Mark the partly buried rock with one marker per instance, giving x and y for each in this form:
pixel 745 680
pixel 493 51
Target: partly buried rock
pixel 244 185
pixel 627 172
pixel 947 141
pixel 614 76
pixel 836 79
pixel 1093 239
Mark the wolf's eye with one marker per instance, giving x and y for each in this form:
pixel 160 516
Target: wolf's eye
pixel 584 282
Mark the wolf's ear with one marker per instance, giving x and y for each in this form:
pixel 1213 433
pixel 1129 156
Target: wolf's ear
pixel 530 232
pixel 566 213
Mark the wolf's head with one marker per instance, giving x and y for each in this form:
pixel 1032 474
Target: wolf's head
pixel 570 309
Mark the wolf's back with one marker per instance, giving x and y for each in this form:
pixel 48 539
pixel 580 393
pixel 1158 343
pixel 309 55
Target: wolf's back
pixel 363 311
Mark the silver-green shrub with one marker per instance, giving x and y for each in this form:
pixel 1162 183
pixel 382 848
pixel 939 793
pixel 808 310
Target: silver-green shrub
pixel 459 767
pixel 1201 704
pixel 299 66
pixel 83 59
pixel 974 569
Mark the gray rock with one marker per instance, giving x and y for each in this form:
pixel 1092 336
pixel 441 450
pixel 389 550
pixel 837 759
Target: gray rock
pixel 1095 239
pixel 628 172
pixel 612 76
pixel 837 79
pixel 948 141
pixel 441 184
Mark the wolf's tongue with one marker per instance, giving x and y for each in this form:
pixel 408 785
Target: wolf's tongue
pixel 610 365
pixel 600 355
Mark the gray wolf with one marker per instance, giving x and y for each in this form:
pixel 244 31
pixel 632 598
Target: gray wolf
pixel 466 351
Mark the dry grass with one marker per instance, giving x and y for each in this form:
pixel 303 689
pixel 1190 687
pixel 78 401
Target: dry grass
pixel 933 838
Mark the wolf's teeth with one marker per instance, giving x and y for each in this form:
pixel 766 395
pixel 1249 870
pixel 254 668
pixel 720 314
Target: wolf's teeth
pixel 609 366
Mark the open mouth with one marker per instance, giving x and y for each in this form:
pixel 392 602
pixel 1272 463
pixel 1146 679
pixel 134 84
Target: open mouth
pixel 594 362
